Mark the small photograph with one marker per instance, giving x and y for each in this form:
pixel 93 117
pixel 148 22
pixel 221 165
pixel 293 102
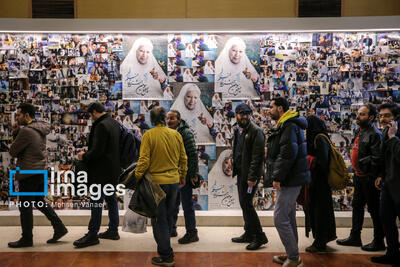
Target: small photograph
pixel 322 39
pixel 4 85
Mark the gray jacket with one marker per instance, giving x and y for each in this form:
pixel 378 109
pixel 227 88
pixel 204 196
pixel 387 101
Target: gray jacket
pixel 29 147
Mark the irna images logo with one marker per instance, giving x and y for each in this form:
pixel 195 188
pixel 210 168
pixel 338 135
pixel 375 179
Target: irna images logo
pixel 67 183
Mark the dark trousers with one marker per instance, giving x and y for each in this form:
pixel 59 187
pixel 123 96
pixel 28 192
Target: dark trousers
pixel 96 209
pixel 389 212
pixel 162 224
pixel 185 196
pixel 252 225
pixel 365 193
pixel 34 184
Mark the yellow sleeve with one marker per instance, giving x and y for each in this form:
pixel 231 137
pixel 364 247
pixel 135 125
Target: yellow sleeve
pixel 182 159
pixel 144 158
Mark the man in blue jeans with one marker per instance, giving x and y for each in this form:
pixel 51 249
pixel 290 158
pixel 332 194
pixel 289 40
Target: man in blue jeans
pixel 103 161
pixel 163 156
pixel 175 122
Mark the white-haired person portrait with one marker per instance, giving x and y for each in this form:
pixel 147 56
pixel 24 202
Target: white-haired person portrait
pixel 222 189
pixel 194 112
pixel 235 76
pixel 142 76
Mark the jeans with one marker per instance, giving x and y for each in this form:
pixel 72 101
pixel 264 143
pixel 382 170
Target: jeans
pixel 96 208
pixel 252 225
pixel 389 211
pixel 185 196
pixel 34 183
pixel 162 224
pixel 285 219
pixel 365 192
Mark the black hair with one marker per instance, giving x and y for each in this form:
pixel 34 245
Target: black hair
pixel 96 106
pixel 394 109
pixel 371 110
pixel 280 101
pixel 27 108
pixel 157 116
pixel 178 114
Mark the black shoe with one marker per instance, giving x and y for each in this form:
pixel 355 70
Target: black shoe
pixel 160 262
pixel 188 238
pixel 22 243
pixel 109 235
pixel 386 259
pixel 174 233
pixel 257 242
pixel 244 238
pixel 59 232
pixel 375 246
pixel 86 241
pixel 351 241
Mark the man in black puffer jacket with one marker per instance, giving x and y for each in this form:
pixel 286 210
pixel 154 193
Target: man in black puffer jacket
pixel 287 167
pixel 185 193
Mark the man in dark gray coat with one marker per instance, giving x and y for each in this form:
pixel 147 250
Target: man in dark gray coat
pixel 103 161
pixel 29 147
pixel 287 167
pixel 248 159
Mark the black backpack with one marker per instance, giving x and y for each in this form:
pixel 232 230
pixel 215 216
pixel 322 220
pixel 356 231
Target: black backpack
pixel 129 147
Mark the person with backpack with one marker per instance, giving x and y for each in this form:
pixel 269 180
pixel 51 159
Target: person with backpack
pixel 319 212
pixel 287 167
pixel 365 160
pixel 103 162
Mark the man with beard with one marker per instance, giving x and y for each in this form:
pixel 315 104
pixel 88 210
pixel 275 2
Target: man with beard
pixel 390 182
pixel 365 157
pixel 287 168
pixel 248 158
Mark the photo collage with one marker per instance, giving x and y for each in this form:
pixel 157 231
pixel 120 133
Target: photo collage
pixel 204 77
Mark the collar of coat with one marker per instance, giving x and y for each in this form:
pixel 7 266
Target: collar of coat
pixel 286 116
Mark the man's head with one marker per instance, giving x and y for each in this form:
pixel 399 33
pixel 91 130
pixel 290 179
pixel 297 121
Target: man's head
pixel 25 113
pixel 157 116
pixel 192 97
pixel 387 113
pixel 173 119
pixel 278 107
pixel 365 115
pixel 243 114
pixel 96 110
pixel 142 54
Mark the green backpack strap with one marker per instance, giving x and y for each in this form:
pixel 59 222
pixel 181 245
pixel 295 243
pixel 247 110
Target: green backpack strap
pixel 326 137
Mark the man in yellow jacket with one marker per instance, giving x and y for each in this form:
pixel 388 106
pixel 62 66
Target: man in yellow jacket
pixel 163 155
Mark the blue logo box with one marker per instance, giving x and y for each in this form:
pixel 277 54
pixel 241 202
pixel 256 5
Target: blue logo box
pixel 17 170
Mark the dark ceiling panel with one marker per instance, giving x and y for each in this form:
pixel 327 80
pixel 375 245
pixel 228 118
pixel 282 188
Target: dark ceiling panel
pixel 53 9
pixel 320 8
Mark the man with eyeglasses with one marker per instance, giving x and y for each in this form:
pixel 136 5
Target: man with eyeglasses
pixel 365 159
pixel 389 184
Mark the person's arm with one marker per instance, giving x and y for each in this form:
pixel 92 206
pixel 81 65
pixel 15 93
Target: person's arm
pixel 98 148
pixel 191 152
pixel 257 157
pixel 144 158
pixel 322 155
pixel 22 140
pixel 375 143
pixel 182 160
pixel 289 148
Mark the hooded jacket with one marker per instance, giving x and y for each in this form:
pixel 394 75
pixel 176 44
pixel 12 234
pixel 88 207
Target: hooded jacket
pixel 287 153
pixel 191 150
pixel 29 147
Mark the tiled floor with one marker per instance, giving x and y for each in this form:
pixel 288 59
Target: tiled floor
pixel 213 249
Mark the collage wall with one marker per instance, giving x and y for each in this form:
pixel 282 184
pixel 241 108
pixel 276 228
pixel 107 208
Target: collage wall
pixel 204 76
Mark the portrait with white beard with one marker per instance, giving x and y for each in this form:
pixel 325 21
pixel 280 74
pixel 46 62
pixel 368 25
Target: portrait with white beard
pixel 236 75
pixel 144 67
